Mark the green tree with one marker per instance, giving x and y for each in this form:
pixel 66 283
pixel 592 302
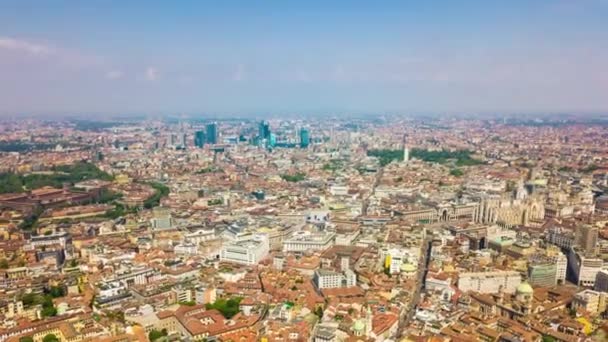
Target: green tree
pixel 547 338
pixel 319 311
pixel 386 156
pixel 155 334
pixel 456 172
pixel 161 191
pixel 50 338
pixel 228 308
pixel 56 291
pixel 4 264
pixel 49 311
pixel 26 339
pixel 10 182
pixel 298 177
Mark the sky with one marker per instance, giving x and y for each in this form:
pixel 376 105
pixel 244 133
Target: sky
pixel 263 56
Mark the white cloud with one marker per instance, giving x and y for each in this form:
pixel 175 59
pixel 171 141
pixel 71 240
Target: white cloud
pixel 151 74
pixel 8 43
pixel 114 74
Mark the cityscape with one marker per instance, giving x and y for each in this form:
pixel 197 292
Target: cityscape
pixel 294 185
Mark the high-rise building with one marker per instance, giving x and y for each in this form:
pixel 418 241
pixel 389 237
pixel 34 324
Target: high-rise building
pixel 601 281
pixel 264 130
pixel 212 136
pixel 182 140
pixel 199 139
pixel 304 137
pixel 272 141
pixel 586 238
pixel 582 270
pixel 171 140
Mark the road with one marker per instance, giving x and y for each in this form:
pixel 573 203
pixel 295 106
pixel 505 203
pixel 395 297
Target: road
pixel 407 315
pixel 376 183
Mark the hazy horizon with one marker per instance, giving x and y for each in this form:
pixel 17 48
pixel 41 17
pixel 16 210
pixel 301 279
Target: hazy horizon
pixel 72 58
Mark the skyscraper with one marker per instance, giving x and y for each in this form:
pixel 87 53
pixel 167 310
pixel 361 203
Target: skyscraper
pixel 586 238
pixel 182 140
pixel 304 137
pixel 199 139
pixel 212 133
pixel 264 130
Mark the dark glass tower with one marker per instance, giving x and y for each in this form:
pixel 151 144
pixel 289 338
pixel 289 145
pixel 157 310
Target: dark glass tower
pixel 199 139
pixel 212 133
pixel 264 130
pixel 304 138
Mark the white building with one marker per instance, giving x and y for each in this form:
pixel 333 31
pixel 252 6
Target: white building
pixel 326 279
pixel 561 262
pixel 591 301
pixel 583 269
pixel 56 238
pixel 489 282
pixel 304 241
pixel 338 190
pixel 247 250
pixel 161 219
pixel 183 294
pixel 200 235
pixel 317 216
pixel 134 276
pixel 185 248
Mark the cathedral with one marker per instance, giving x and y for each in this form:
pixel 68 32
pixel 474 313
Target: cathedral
pixel 511 208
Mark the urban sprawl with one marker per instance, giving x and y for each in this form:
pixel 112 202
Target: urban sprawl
pixel 334 229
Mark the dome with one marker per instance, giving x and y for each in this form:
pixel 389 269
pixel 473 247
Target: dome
pixel 407 267
pixel 524 288
pixel 359 325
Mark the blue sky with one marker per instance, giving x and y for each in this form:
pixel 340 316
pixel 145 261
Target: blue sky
pixel 256 57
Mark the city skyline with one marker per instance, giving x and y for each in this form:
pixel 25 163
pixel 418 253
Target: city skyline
pixel 72 58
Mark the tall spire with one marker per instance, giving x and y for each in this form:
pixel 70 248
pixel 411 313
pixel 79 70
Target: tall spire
pixel 406 150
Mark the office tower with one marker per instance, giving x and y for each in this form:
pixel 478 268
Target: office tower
pixel 264 130
pixel 212 133
pixel 182 140
pixel 272 141
pixel 171 140
pixel 304 138
pixel 199 139
pixel 586 238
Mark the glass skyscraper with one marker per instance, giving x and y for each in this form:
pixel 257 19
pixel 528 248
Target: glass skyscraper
pixel 264 130
pixel 199 139
pixel 304 138
pixel 212 133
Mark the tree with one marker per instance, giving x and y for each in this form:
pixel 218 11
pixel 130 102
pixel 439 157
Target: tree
pixel 50 338
pixel 26 339
pixel 456 172
pixel 3 264
pixel 56 291
pixel 228 308
pixel 547 338
pixel 49 311
pixel 319 311
pixel 161 191
pixel 294 178
pixel 155 334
